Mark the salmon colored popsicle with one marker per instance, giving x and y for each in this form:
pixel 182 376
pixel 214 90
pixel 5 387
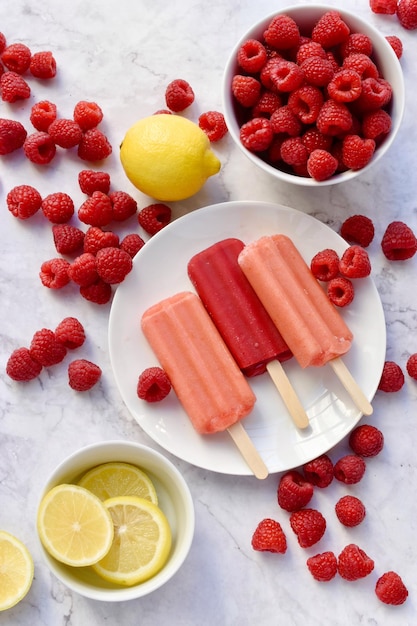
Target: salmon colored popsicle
pixel 203 373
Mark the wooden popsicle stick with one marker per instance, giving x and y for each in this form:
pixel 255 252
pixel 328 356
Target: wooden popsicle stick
pixel 287 393
pixel 248 450
pixel 351 386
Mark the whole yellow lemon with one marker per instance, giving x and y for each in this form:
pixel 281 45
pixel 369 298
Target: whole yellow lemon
pixel 167 157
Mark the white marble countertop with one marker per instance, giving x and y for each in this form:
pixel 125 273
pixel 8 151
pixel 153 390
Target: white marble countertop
pixel 122 55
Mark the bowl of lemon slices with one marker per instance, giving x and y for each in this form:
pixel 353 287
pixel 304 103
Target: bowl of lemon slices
pixel 115 521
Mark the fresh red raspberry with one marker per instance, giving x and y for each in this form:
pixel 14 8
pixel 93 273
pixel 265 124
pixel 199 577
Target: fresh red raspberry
pixel 314 139
pixel 113 265
pixel 330 30
pixel 132 243
pixel 345 86
pixel 213 124
pixel 336 150
pixel 268 102
pixel 13 87
pixel 153 384
pixel 39 148
pixel 282 33
pixel 392 377
pixel 23 201
pixel 179 95
pixel 43 65
pixel 396 44
pixel 306 102
pixel 398 242
pixel 321 164
pixel 54 273
pixel 376 94
pixel 70 332
pixel 356 42
pixel 407 14
pixel 309 525
pixel 45 348
pixel 88 115
pixel 294 152
pixel 2 42
pixel 12 136
pixel 323 567
pixel 390 589
pixel 310 49
pixel 366 440
pixel 96 210
pixel 265 74
pixel 294 491
pixel 357 152
pixel 411 366
pixel 317 71
pixel 355 262
pixel 83 375
pixel 21 366
pixel 95 239
pixel 124 206
pixel 358 229
pixel 334 118
pixel 319 471
pixel 154 217
pixel 67 238
pixel 83 270
pixel 349 469
pixel 350 511
pixel 283 120
pixel 286 76
pixel 246 90
pixel 94 146
pixel 251 56
pixel 42 115
pixel 269 537
pixel 325 264
pixel 98 293
pixel 16 57
pixel 340 291
pixel 376 125
pixel 353 563
pixel 163 112
pixel 386 7
pixel 91 181
pixel 58 207
pixel 65 133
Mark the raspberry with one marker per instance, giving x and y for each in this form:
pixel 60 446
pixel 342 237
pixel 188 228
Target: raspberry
pixel 23 201
pixel 83 374
pixel 16 57
pixel 340 291
pixel 398 242
pixel 45 348
pixel 325 264
pixel 83 270
pixel 124 206
pixel 356 42
pixel 294 491
pixel 113 265
pixel 321 164
pixel 132 244
pixel 94 146
pixel 323 567
pixel 286 76
pixel 366 440
pixel 358 229
pixel 283 120
pixel 179 95
pixel 386 7
pixel 392 377
pixel 350 511
pixel 153 385
pixel 357 152
pixel 42 115
pixel 2 42
pixel 96 210
pixel 246 90
pixel 353 563
pixel 306 102
pixel 319 471
pixel 13 87
pixel 396 44
pixel 293 151
pixel 390 589
pixel 376 93
pixel 355 262
pixel 268 102
pixel 411 366
pixel 265 74
pixel 21 366
pixel 317 71
pixel 58 207
pixel 87 115
pixel 12 135
pixel 99 292
pixel 349 469
pixel 334 118
pixel 309 525
pixel 154 217
pixel 310 49
pixel 361 64
pixel 213 124
pixel 251 56
pixel 269 537
pixel 39 148
pixel 67 238
pixel 282 33
pixel 345 86
pixel 407 14
pixel 314 139
pixel 65 133
pixel 330 30
pixel 91 181
pixel 54 273
pixel 70 332
pixel 43 65
pixel 95 239
pixel 163 112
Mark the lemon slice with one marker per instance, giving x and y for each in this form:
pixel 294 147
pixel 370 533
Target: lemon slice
pixel 142 541
pixel 119 479
pixel 16 570
pixel 74 525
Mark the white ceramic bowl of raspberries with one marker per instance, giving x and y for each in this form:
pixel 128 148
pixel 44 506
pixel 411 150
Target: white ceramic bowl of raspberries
pixel 313 95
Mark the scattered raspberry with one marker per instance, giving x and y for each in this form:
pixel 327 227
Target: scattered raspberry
pixel 356 43
pixel 321 164
pixel 306 102
pixel 42 115
pixel 407 14
pixel 16 57
pixel 23 201
pixel 283 120
pixel 330 30
pixel 70 332
pixel 345 86
pixel 350 511
pixel 319 471
pixel 349 469
pixel 154 217
pixel 355 262
pixel 317 71
pixel 83 374
pixel 387 7
pixel 43 65
pixel 58 207
pixel 398 242
pixel 54 273
pixel 309 525
pixel 124 206
pixel 132 244
pixel 412 366
pixel 282 33
pixel 396 44
pixel 39 148
pixel 94 146
pixel 95 239
pixel 153 384
pixel 96 210
pixel 366 440
pixel 83 270
pixel 91 181
pixel 246 90
pixel 21 366
pixel 163 112
pixel 340 291
pixel 353 563
pixel 252 56
pixel 45 348
pixel 213 124
pixel 392 378
pixel 390 589
pixel 334 118
pixel 294 491
pixel 179 95
pixel 325 265
pixel 12 135
pixel 67 238
pixel 358 229
pixel 65 133
pixel 269 537
pixel 13 87
pixel 323 567
pixel 87 115
pixel 113 265
pixel 98 293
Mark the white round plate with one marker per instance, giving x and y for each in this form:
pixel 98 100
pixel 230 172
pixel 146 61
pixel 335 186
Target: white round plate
pixel 160 270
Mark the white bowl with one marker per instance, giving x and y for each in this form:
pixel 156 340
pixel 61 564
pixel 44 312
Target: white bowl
pixel 383 55
pixel 174 499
